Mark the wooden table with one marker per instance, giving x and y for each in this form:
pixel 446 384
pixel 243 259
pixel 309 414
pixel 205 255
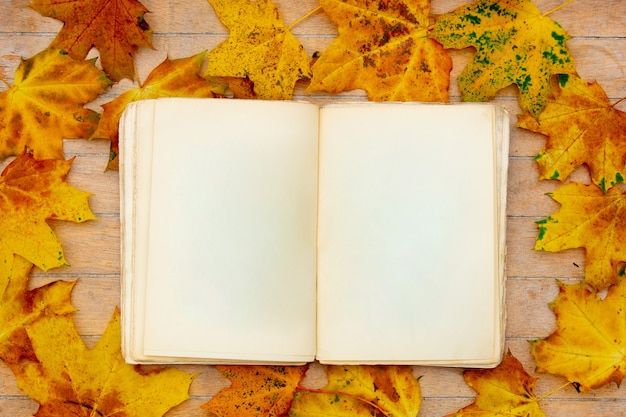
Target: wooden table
pixel 185 27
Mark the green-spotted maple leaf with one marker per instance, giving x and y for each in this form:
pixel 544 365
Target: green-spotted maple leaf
pixel 31 192
pixel 117 28
pixel 256 391
pixel 260 47
pixel 515 44
pixel 171 78
pixel 71 380
pixel 506 390
pixel 591 219
pixel 582 127
pixel 383 49
pixel 20 307
pixel 362 391
pixel 589 346
pixel 45 104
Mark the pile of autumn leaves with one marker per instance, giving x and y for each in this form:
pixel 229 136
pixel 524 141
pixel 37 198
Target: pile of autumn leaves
pixel 393 51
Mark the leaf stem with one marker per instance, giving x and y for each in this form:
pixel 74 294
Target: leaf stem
pixel 553 391
pixel 618 101
pixel 356 397
pixel 558 7
pixel 306 16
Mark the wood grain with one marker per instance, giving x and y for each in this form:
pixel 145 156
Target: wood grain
pixel 186 27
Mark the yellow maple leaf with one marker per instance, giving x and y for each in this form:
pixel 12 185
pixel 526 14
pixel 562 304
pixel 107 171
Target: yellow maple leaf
pixel 117 28
pixel 515 44
pixel 589 346
pixel 256 391
pixel 171 78
pixel 361 391
pixel 583 127
pixel 383 48
pixel 506 390
pixel 71 380
pixel 45 104
pixel 590 219
pixel 20 307
pixel 260 47
pixel 32 191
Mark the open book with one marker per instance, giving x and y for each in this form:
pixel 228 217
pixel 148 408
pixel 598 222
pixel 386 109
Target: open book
pixel 284 232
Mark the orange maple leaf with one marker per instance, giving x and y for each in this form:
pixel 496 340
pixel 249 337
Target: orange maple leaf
pixel 506 390
pixel 583 127
pixel 45 104
pixel 260 47
pixel 171 78
pixel 591 219
pixel 32 191
pixel 383 48
pixel 515 44
pixel 361 391
pixel 259 391
pixel 589 346
pixel 115 27
pixel 20 307
pixel 71 380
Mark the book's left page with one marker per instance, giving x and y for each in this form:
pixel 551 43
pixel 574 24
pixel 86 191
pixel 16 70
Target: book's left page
pixel 228 260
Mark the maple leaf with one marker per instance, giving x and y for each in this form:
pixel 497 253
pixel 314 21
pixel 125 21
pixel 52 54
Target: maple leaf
pixel 20 307
pixel 45 104
pixel 589 346
pixel 260 47
pixel 361 391
pixel 515 44
pixel 115 27
pixel 583 127
pixel 506 390
pixel 590 219
pixel 383 48
pixel 70 380
pixel 32 191
pixel 171 78
pixel 259 391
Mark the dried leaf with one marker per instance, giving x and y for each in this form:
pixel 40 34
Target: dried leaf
pixel 256 391
pixel 362 391
pixel 515 44
pixel 590 219
pixel 260 47
pixel 506 390
pixel 582 128
pixel 70 380
pixel 589 346
pixel 171 78
pixel 45 105
pixel 32 191
pixel 115 27
pixel 20 307
pixel 383 48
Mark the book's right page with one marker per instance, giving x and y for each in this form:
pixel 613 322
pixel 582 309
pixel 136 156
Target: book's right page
pixel 411 233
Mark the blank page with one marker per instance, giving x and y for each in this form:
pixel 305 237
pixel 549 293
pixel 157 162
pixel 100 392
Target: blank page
pixel 408 239
pixel 232 229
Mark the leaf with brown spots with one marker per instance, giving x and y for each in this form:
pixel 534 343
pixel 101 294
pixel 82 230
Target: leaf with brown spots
pixel 45 104
pixel 256 391
pixel 171 78
pixel 383 48
pixel 590 219
pixel 260 47
pixel 362 391
pixel 20 307
pixel 71 380
pixel 515 44
pixel 32 191
pixel 583 127
pixel 506 390
pixel 589 344
pixel 115 27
